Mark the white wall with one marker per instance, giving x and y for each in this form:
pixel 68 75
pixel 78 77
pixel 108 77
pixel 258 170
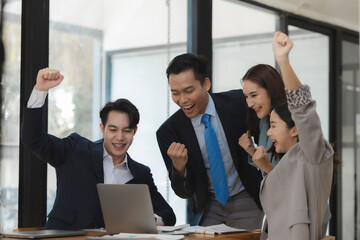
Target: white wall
pixel 344 13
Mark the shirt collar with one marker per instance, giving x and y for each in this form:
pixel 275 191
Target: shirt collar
pixel 210 109
pixel 107 157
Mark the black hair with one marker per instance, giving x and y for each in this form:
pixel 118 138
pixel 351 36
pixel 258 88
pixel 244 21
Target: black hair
pixel 285 115
pixel 188 61
pixel 121 105
pixel 268 78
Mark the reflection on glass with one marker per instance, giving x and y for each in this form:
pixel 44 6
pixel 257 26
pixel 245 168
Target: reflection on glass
pixel 79 44
pixel 9 164
pixel 350 138
pixel 244 42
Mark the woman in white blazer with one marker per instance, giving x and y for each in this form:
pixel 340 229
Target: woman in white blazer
pixel 294 194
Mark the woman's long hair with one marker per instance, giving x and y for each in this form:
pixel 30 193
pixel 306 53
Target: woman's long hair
pixel 268 78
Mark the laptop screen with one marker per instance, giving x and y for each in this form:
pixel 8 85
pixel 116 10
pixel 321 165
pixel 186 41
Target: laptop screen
pixel 127 208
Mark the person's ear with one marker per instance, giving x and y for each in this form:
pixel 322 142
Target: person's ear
pixel 207 84
pixel 102 128
pixel 135 129
pixel 293 132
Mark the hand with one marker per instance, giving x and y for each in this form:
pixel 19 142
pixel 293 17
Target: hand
pixel 48 78
pixel 158 220
pixel 178 154
pixel 246 143
pixel 261 159
pixel 282 45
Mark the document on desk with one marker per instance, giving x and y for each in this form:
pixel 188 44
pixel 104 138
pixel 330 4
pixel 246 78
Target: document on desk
pixel 172 228
pixel 214 229
pixel 129 236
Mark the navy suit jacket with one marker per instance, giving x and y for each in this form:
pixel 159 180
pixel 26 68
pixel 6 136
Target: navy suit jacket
pixel 79 167
pixel 231 108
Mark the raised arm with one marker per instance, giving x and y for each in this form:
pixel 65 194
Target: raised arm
pixel 301 106
pixel 282 45
pixel 47 147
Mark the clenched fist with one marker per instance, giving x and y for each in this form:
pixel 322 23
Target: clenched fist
pixel 282 45
pixel 48 78
pixel 179 156
pixel 246 143
pixel 261 159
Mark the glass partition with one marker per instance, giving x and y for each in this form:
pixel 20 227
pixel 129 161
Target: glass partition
pixel 138 74
pixel 310 60
pixel 243 42
pixel 118 30
pixel 10 118
pixel 350 141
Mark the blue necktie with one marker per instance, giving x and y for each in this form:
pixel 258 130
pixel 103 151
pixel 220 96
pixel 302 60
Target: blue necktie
pixel 216 163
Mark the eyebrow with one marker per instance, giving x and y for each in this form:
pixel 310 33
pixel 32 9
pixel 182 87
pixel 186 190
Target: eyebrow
pixel 113 126
pixel 272 122
pixel 253 92
pixel 187 88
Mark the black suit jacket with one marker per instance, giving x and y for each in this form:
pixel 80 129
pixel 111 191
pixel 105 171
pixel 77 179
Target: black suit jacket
pixel 231 108
pixel 79 167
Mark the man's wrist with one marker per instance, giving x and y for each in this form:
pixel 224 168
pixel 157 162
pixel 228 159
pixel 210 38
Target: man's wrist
pixel 180 173
pixel 41 89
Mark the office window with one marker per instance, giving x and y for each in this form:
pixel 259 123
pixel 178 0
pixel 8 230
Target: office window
pixel 242 36
pixel 136 71
pixel 310 60
pixel 79 46
pixel 350 141
pixel 10 118
pixel 9 165
pixel 75 46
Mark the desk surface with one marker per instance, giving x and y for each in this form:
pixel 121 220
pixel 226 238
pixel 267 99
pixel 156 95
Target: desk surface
pixel 244 236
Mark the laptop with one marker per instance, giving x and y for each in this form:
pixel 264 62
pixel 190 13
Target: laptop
pixel 127 208
pixel 43 234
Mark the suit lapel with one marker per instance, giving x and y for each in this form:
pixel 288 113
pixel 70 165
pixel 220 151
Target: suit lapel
pixel 133 170
pixel 97 158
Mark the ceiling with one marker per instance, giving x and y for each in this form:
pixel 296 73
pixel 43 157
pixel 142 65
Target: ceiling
pixel 344 13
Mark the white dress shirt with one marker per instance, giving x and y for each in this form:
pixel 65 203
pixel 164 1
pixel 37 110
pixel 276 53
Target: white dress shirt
pixel 118 174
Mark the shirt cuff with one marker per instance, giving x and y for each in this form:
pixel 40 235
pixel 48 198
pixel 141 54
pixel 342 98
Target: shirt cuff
pixel 37 99
pixel 298 97
pixel 158 220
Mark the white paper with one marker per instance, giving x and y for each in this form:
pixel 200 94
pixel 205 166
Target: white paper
pixel 172 228
pixel 123 236
pixel 214 229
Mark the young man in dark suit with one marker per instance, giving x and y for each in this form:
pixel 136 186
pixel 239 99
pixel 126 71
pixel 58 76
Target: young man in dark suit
pixel 199 144
pixel 80 163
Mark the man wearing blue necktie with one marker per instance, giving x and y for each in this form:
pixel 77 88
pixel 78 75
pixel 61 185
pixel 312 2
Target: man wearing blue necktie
pixel 199 146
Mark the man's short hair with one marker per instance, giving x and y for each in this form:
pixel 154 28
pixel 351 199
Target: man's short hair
pixel 188 61
pixel 121 105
